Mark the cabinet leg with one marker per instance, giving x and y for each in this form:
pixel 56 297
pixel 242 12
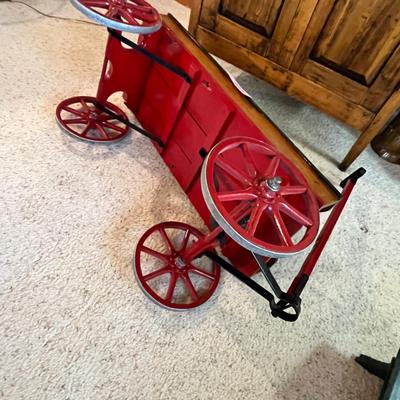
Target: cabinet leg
pixel 383 118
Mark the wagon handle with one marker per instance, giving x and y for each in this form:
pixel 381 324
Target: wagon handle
pixel 301 279
pixel 278 309
pixel 354 177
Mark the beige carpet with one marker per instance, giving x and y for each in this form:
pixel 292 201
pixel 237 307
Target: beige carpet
pixel 74 323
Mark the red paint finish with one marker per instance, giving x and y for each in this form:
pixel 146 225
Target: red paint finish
pixel 179 282
pixel 241 171
pixel 80 117
pixel 189 118
pixel 131 12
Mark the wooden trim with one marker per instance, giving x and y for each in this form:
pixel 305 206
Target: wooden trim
pixel 294 84
pixel 290 29
pixel 194 15
pixel 335 82
pixel 317 21
pixel 208 13
pixel 384 84
pixel 382 119
pixel 241 35
pixel 319 184
pixel 284 23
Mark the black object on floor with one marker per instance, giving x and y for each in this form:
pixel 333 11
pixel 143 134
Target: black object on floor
pixel 389 372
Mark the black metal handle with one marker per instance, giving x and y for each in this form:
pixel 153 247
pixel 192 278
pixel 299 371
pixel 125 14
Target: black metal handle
pixel 354 177
pixel 278 309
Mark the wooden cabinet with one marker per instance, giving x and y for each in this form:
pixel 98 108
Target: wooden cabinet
pixel 342 56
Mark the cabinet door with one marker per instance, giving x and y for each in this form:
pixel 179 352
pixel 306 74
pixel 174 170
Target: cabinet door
pixel 353 48
pixel 271 28
pixel 247 23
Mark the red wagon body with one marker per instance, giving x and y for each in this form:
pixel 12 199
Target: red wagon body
pixel 203 124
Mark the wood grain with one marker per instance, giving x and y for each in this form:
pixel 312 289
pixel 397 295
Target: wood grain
pixel 241 35
pixel 341 85
pixel 195 9
pixel 359 37
pixel 385 83
pixel 261 14
pixel 317 21
pixel 294 84
pixel 290 30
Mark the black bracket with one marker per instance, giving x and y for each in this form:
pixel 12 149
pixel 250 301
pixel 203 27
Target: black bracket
pixel 130 124
pixel 278 308
pixel 176 70
pixel 354 177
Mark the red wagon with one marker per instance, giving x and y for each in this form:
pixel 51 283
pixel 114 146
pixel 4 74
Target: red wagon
pixel 258 194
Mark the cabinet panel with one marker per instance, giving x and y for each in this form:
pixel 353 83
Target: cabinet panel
pixel 249 24
pixel 259 16
pixel 359 37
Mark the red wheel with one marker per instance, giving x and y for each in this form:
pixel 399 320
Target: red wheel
pixel 282 216
pixel 136 16
pixel 80 117
pixel 163 273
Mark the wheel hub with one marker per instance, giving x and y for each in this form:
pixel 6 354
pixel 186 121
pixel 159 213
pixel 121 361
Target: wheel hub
pixel 274 183
pixel 180 262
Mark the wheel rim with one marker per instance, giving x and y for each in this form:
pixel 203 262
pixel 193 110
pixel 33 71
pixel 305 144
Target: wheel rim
pixel 164 276
pixel 136 16
pixel 244 172
pixel 80 117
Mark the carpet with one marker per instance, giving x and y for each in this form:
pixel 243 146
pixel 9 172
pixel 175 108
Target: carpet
pixel 75 325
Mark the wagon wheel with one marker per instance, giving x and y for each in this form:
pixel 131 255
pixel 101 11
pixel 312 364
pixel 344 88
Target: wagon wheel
pixel 136 16
pixel 165 276
pixel 80 117
pixel 240 172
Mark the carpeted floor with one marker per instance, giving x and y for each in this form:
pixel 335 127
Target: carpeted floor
pixel 74 323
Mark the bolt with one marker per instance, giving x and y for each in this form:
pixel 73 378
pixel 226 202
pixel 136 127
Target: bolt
pixel 274 183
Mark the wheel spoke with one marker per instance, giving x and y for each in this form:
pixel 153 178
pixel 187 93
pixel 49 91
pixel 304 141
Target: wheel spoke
pixel 73 111
pixel 85 131
pixel 112 12
pixel 288 190
pixel 102 131
pixel 128 16
pixel 249 160
pixel 295 214
pixel 232 171
pixel 171 287
pixel 255 216
pixel 95 3
pixel 144 13
pixel 155 253
pixel 272 167
pixel 85 107
pixel 113 126
pixel 166 239
pixel 242 194
pixel 75 121
pixel 185 240
pixel 280 226
pixel 200 272
pixel 240 211
pixel 156 273
pixel 192 291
